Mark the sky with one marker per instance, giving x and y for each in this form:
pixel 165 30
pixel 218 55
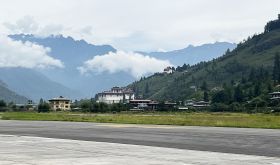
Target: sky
pixel 140 25
pixel 127 25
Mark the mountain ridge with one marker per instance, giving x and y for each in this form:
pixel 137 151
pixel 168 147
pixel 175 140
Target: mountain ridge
pixel 193 54
pixel 73 53
pixel 254 56
pixel 9 96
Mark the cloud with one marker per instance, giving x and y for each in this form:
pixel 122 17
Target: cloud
pixel 28 25
pixel 163 24
pixel 26 55
pixel 135 64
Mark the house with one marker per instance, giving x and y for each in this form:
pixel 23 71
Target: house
pixel 116 95
pixel 201 104
pixel 60 103
pixel 275 95
pixel 143 104
pixel 196 104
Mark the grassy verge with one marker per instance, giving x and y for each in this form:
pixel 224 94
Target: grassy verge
pixel 190 119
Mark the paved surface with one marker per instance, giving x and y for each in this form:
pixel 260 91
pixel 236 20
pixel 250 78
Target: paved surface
pixel 261 142
pixel 24 150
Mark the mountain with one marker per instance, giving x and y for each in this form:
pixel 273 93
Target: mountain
pixel 9 96
pixel 248 69
pixel 193 54
pixel 33 84
pixel 73 53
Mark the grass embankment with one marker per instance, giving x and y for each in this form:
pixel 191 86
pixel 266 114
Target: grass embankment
pixel 187 119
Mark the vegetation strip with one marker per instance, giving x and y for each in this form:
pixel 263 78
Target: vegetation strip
pixel 181 118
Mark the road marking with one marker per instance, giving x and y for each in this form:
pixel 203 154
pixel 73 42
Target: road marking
pixel 138 126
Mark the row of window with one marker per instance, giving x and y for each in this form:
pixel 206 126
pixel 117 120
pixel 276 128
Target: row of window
pixel 65 106
pixel 57 102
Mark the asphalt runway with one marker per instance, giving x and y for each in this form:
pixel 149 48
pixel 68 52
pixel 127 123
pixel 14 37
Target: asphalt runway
pixel 259 142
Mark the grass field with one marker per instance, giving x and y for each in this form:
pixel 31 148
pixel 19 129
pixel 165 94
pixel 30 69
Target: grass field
pixel 186 119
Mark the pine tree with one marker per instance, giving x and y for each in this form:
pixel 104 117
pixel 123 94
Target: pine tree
pixel 204 86
pixel 205 96
pixel 276 69
pixel 238 94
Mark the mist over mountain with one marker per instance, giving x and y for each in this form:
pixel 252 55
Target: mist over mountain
pixel 73 53
pixel 33 84
pixel 193 54
pixel 69 81
pixel 9 96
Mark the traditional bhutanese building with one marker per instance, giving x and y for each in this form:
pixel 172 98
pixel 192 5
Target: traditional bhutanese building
pixel 275 95
pixel 116 95
pixel 60 103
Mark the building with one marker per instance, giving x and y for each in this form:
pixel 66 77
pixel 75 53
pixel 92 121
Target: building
pixel 196 104
pixel 275 95
pixel 201 104
pixel 116 95
pixel 60 103
pixel 143 104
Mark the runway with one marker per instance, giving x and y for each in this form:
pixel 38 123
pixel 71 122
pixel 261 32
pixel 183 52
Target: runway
pixel 258 142
pixel 26 150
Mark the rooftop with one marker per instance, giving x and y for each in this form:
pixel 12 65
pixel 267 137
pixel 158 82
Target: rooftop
pixel 60 98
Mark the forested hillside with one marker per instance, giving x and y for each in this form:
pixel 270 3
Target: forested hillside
pixel 244 75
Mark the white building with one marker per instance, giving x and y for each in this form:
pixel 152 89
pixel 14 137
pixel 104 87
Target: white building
pixel 116 95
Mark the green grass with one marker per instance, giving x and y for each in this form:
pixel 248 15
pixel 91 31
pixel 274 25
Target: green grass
pixel 183 119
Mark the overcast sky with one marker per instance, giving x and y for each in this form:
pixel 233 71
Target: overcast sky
pixel 144 25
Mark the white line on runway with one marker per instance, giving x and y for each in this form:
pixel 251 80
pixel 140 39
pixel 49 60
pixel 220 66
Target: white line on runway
pixel 26 150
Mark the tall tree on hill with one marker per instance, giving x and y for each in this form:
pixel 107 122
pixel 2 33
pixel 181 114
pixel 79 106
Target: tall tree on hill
pixel 146 91
pixel 205 96
pixel 276 69
pixel 204 86
pixel 238 94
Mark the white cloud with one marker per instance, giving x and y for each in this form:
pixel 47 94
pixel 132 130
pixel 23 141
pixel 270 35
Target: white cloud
pixel 28 25
pixel 146 25
pixel 134 63
pixel 26 55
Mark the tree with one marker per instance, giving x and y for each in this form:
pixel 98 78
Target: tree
pixel 146 90
pixel 2 104
pixel 205 96
pixel 43 106
pixel 221 97
pixel 204 86
pixel 276 69
pixel 41 101
pixel 257 89
pixel 252 75
pixel 238 94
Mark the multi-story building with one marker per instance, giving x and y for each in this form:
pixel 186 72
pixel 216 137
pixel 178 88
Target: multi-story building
pixel 60 103
pixel 116 95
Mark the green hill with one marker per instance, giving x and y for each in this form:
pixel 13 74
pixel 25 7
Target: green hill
pixel 248 68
